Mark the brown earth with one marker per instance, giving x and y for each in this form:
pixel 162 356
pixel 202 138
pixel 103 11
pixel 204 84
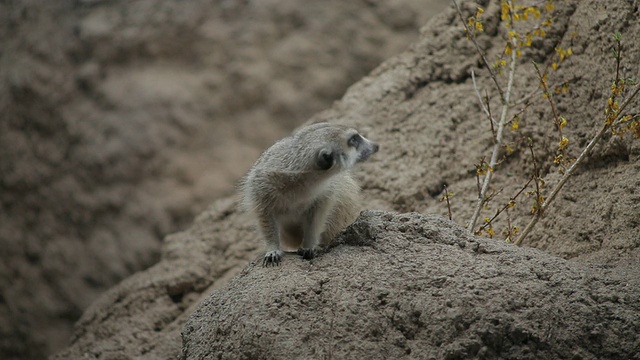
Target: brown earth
pixel 404 284
pixel 122 120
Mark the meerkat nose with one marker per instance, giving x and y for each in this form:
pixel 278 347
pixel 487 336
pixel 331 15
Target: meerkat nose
pixel 376 147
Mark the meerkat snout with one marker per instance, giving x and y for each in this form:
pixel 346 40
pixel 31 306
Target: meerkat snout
pixel 365 147
pixel 302 190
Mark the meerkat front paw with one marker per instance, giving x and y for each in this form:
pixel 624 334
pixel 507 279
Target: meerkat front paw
pixel 307 254
pixel 272 258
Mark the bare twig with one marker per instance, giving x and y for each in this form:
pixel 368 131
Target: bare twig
pixel 506 206
pixel 536 177
pixel 446 196
pixel 509 227
pixel 498 143
pixel 547 93
pixel 481 53
pixel 485 108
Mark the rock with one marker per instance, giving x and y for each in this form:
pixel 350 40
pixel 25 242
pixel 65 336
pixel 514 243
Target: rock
pixel 402 286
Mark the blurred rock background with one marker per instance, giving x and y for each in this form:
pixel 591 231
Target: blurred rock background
pixel 122 120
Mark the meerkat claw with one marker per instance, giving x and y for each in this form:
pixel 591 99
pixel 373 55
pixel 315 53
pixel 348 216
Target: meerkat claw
pixel 307 254
pixel 272 258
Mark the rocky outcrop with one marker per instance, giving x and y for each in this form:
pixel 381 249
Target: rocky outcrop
pixel 420 106
pixel 407 286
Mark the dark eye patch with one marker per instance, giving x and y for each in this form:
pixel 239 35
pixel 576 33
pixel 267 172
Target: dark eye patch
pixel 354 140
pixel 325 159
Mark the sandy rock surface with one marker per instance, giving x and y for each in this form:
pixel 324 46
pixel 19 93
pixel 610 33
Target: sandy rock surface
pixel 421 108
pixel 408 286
pixel 122 120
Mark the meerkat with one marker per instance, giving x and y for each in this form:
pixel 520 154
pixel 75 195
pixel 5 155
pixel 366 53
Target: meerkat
pixel 302 190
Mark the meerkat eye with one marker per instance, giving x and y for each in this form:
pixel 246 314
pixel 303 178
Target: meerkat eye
pixel 325 159
pixel 354 140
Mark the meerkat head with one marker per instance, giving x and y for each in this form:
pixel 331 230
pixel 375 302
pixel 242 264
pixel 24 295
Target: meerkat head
pixel 340 146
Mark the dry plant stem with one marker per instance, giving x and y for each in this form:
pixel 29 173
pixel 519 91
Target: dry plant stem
pixel 536 177
pixel 446 195
pixel 587 150
pixel 527 97
pixel 498 142
pixel 506 207
pixel 479 50
pixel 485 107
pixel 556 117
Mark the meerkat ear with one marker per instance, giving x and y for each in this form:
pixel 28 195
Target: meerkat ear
pixel 325 159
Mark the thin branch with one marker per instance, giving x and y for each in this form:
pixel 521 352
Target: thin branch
pixel 536 177
pixel 446 195
pixel 506 206
pixel 527 97
pixel 618 54
pixel 480 52
pixel 499 133
pixel 547 94
pixel 482 103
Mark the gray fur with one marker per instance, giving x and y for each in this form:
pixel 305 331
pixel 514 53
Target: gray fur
pixel 302 191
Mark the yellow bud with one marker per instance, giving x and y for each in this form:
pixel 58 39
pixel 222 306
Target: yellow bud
pixel 549 7
pixel 536 13
pixel 508 50
pixel 563 143
pixel 563 123
pixel 504 11
pixel 515 124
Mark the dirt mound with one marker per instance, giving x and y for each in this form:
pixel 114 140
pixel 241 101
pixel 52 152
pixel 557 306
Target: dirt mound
pixel 407 286
pixel 421 108
pixel 121 121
